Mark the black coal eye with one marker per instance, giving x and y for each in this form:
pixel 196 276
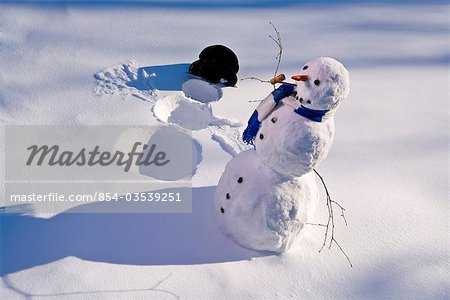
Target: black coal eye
pixel 317 82
pixel 305 67
pixel 309 101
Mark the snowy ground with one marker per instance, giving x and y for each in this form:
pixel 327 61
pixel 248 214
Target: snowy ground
pixel 388 165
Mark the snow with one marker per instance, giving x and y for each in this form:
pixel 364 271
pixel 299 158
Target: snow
pixel 183 111
pixel 388 165
pixel 261 209
pixel 187 113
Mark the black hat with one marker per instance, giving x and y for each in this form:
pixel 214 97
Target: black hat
pixel 217 64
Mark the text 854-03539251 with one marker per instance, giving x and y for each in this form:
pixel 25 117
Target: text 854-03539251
pixel 153 197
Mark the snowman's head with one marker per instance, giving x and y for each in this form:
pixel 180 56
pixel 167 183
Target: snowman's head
pixel 323 83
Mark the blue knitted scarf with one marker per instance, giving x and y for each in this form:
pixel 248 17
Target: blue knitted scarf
pixel 311 114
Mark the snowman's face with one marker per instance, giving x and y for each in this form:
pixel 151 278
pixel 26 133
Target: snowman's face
pixel 323 83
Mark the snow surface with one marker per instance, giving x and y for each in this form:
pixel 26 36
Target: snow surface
pixel 388 165
pixel 187 113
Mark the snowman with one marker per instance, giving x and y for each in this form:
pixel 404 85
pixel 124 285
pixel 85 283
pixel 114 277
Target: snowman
pixel 266 195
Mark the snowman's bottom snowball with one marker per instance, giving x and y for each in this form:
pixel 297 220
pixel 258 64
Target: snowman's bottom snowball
pixel 261 209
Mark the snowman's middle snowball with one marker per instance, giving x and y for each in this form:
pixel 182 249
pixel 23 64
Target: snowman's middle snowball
pixel 293 145
pixel 260 209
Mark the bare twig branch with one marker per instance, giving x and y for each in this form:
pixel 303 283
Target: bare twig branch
pixel 280 47
pixel 342 211
pixel 255 78
pixel 277 40
pixel 316 224
pixel 343 252
pixel 328 227
pixel 329 231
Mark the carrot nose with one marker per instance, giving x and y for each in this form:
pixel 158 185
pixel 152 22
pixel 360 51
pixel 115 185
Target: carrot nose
pixel 300 77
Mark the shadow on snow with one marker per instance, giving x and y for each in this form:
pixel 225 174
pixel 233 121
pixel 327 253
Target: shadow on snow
pixel 134 239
